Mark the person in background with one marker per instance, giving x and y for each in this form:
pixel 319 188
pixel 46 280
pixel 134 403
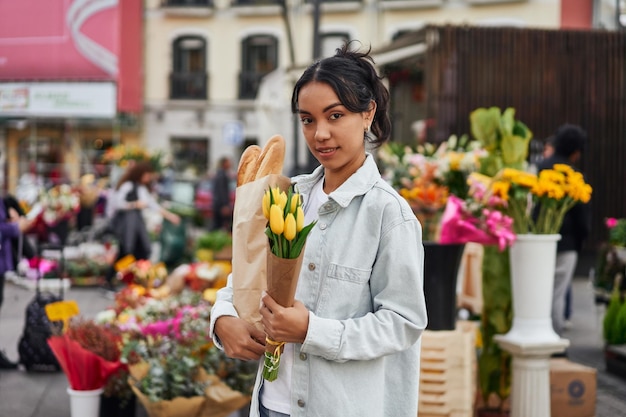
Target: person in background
pixel 130 197
pixel 222 207
pixel 569 143
pixel 353 334
pixel 11 226
pixel 548 151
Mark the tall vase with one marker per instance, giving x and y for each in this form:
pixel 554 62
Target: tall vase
pixel 85 403
pixel 533 259
pixel 441 266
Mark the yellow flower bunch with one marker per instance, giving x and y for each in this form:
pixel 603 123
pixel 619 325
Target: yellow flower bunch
pixel 122 154
pixel 285 228
pixel 538 203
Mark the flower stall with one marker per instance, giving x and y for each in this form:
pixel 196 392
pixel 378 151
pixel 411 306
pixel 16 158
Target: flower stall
pixel 173 367
pixel 434 181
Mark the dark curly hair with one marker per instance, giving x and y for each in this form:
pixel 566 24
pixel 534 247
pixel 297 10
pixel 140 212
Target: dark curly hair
pixel 351 74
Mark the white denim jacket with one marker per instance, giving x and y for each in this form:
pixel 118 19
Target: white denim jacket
pixel 362 281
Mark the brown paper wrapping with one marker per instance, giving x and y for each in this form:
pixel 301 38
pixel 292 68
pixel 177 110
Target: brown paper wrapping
pixel 282 280
pixel 219 399
pixel 178 407
pixel 250 246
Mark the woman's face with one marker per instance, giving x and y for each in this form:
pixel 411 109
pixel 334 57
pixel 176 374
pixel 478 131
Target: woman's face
pixel 147 178
pixel 334 135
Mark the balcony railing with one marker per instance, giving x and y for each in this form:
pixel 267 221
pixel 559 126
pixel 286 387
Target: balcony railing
pixel 256 2
pixel 333 1
pixel 187 3
pixel 249 84
pixel 188 85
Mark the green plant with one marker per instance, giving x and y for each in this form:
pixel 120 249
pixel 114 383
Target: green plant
pixel 617 231
pixel 504 138
pixel 614 323
pixel 506 142
pixel 215 241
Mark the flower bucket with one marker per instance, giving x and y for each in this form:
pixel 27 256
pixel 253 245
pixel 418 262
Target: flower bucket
pixel 533 260
pixel 85 403
pixel 441 267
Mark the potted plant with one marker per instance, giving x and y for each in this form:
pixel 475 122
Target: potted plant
pixel 617 236
pixel 614 330
pixel 210 243
pixel 88 354
pixel 174 368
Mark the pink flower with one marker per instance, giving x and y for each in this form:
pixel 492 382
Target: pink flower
pixel 489 227
pixel 611 222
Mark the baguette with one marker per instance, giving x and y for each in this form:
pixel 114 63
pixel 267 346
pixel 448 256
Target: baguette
pixel 272 157
pixel 248 164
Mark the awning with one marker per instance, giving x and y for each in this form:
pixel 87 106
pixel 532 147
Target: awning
pixel 409 47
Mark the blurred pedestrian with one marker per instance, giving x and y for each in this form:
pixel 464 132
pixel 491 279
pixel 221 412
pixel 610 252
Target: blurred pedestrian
pixel 130 197
pixel 12 225
pixel 222 190
pixel 569 143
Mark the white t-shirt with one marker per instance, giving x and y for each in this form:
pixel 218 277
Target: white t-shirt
pixel 276 395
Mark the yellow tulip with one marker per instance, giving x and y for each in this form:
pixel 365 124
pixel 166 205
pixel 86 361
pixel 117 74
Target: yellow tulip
pixel 299 219
pixel 277 222
pixel 290 227
pixel 295 201
pixel 282 200
pixel 266 205
pixel 275 194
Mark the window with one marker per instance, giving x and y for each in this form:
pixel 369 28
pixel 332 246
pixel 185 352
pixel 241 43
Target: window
pixel 332 41
pixel 259 57
pixel 189 78
pixel 186 3
pixel 256 2
pixel 189 156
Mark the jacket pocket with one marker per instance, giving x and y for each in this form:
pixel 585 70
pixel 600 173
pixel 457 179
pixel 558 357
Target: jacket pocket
pixel 349 274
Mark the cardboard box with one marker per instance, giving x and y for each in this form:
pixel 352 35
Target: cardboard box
pixel 572 389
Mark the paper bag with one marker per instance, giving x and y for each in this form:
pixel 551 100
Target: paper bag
pixel 250 246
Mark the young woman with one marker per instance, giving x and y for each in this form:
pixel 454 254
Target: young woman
pixel 353 334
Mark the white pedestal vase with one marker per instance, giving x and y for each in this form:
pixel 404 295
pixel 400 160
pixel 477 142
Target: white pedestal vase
pixel 530 385
pixel 85 403
pixel 533 259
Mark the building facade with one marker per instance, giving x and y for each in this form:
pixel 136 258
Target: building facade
pixel 219 73
pixel 70 86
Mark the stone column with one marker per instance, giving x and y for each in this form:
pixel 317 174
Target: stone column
pixel 530 388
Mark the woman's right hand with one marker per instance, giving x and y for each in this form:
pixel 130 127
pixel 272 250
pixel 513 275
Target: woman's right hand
pixel 240 339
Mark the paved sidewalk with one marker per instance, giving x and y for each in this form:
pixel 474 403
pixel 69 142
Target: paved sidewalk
pixel 43 395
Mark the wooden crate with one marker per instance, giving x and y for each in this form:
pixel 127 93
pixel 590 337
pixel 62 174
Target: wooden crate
pixel 448 372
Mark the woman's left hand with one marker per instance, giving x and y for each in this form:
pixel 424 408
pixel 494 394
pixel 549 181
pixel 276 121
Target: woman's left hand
pixel 285 324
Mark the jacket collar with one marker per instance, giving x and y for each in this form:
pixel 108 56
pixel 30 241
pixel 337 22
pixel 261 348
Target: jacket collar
pixel 358 184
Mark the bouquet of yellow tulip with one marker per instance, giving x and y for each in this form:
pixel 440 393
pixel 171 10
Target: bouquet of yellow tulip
pixel 287 235
pixel 285 228
pixel 538 203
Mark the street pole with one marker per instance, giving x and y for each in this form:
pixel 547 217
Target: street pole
pixel 312 163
